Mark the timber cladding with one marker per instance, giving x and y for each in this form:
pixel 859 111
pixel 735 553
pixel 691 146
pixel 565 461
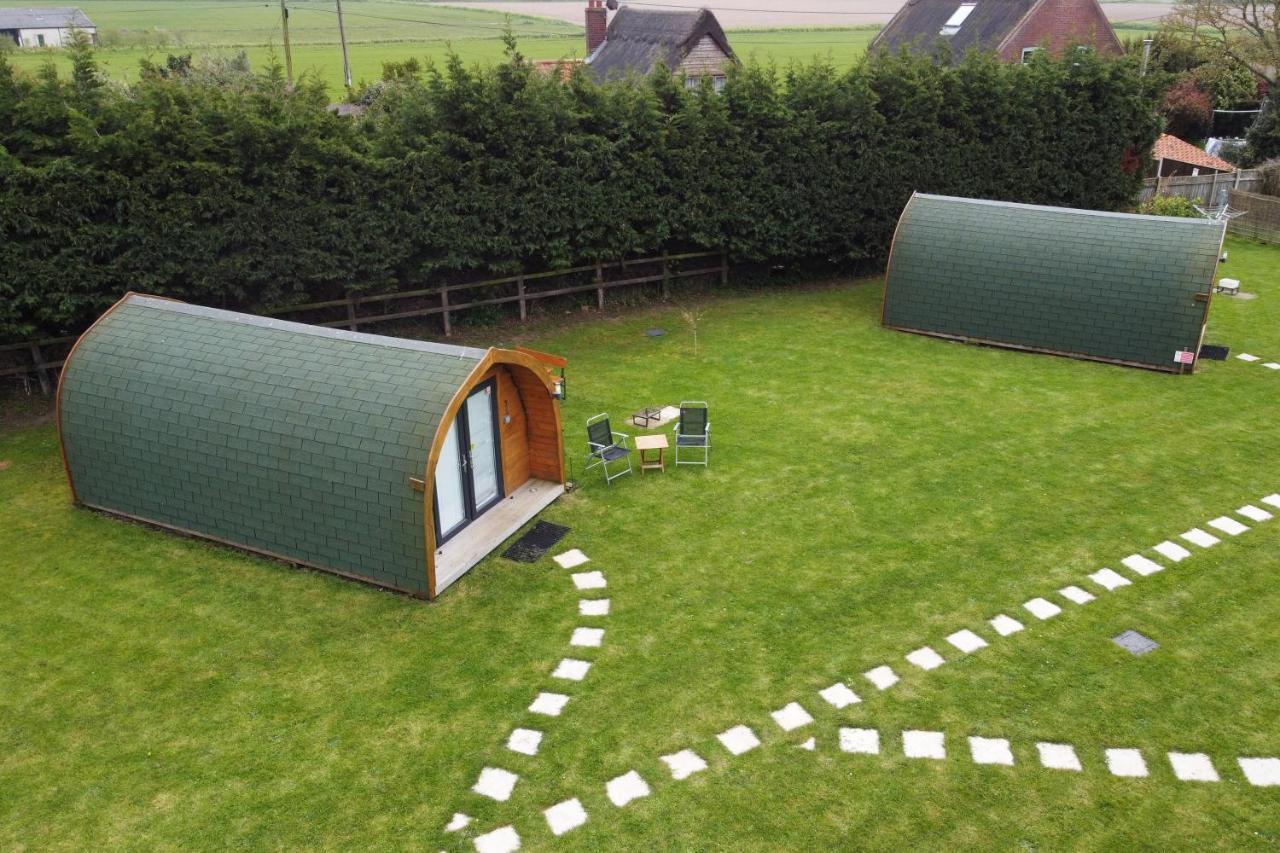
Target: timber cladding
pixel 1113 287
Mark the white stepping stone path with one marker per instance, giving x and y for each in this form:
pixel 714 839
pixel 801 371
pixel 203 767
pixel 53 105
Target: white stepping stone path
pixel 1272 365
pixel 967 641
pixel 625 788
pixel 1126 762
pixel 571 559
pixel 460 821
pixel 589 580
pixel 1058 756
pixel 1263 772
pixel 1244 356
pixel 1171 551
pixel 1193 767
pixel 1140 565
pixel 738 740
pixel 587 637
pixel 839 695
pixel 549 704
pixel 1254 513
pixel 1109 579
pixel 926 658
pixel 860 741
pixel 502 840
pixel 1272 500
pixel 811 744
pixel 991 750
pixel 684 764
pixel 1076 594
pixel 525 741
pixel 1042 608
pixel 1006 625
pixel 593 607
pixel 563 817
pixel 572 670
pixel 1227 525
pixel 882 677
pixel 1196 536
pixel 918 744
pixel 791 717
pixel 495 783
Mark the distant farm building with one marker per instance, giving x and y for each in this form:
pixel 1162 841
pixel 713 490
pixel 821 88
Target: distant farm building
pixel 51 27
pixel 1014 29
pixel 691 44
pixel 1173 157
pixel 1115 287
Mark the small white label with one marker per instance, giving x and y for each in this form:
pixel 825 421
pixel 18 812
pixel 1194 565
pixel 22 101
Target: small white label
pixel 1183 356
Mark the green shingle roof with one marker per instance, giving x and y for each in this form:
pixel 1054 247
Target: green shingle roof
pixel 1110 286
pixel 284 438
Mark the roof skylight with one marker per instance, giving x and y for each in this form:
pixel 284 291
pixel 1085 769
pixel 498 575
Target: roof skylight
pixel 952 26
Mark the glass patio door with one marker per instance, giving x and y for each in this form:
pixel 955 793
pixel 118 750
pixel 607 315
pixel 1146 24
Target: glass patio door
pixel 482 430
pixel 468 477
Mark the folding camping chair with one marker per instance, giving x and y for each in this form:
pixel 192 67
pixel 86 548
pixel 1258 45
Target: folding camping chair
pixel 693 433
pixel 606 446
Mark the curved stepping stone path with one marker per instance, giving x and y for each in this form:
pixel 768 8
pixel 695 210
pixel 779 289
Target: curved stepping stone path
pixel 503 840
pixel 1109 579
pixel 1058 756
pixel 1228 525
pixel 917 744
pixel 1042 608
pixel 1076 594
pixel 625 788
pixel 593 607
pixel 839 695
pixel 1193 767
pixel 589 580
pixel 864 741
pixel 791 717
pixel 882 677
pixel 1254 513
pixel 684 764
pixel 1172 551
pixel 571 559
pixel 549 704
pixel 967 641
pixel 1140 565
pixel 588 637
pixel 460 821
pixel 563 817
pixel 1196 536
pixel 524 741
pixel 738 740
pixel 1126 762
pixel 990 750
pixel 496 783
pixel 926 658
pixel 1006 625
pixel 572 670
pixel 1263 772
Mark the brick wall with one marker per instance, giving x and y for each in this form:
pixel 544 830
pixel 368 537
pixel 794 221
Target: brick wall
pixel 597 24
pixel 1061 23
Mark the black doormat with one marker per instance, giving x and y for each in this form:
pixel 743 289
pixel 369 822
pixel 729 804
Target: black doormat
pixel 530 547
pixel 1213 352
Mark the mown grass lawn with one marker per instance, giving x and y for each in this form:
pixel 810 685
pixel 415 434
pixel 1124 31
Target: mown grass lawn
pixel 870 492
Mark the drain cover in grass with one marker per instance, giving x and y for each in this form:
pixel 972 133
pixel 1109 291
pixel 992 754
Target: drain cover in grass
pixel 1135 642
pixel 530 547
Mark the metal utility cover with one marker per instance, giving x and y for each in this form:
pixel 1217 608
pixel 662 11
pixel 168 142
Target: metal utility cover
pixel 1136 643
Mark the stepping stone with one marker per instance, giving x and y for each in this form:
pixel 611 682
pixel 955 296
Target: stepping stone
pixel 839 695
pixel 791 717
pixel 1058 756
pixel 1229 526
pixel 593 607
pixel 684 764
pixel 549 704
pixel 460 821
pixel 1109 579
pixel 1171 551
pixel 565 816
pixel 1254 513
pixel 862 741
pixel 1076 594
pixel 916 744
pixel 967 641
pixel 987 750
pixel 571 670
pixel 571 559
pixel 1272 500
pixel 1126 762
pixel 1244 356
pixel 738 740
pixel 811 744
pixel 1006 625
pixel 503 840
pixel 1193 767
pixel 495 783
pixel 1263 772
pixel 882 677
pixel 1196 536
pixel 627 787
pixel 524 741
pixel 589 637
pixel 1271 365
pixel 1140 565
pixel 589 580
pixel 1042 609
pixel 926 658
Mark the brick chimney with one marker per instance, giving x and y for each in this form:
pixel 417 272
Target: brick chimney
pixel 597 24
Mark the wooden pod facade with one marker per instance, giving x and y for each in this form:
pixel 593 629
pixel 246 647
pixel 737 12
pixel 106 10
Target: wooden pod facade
pixel 396 462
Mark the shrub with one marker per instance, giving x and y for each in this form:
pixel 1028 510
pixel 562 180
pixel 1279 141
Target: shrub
pixel 1168 205
pixel 1187 110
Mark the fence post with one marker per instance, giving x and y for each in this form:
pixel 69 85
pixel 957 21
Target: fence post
pixel 599 286
pixel 666 278
pixel 351 316
pixel 724 269
pixel 41 369
pixel 444 303
pixel 524 308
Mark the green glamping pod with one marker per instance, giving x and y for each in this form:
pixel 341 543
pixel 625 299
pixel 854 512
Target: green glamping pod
pixel 1113 287
pixel 397 462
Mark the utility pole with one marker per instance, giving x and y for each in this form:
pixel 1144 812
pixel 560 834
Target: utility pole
pixel 284 28
pixel 342 36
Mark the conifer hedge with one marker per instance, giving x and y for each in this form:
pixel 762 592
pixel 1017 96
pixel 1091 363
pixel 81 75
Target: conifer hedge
pixel 244 191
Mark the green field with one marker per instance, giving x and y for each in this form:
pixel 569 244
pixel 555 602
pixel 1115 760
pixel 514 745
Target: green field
pixel 870 492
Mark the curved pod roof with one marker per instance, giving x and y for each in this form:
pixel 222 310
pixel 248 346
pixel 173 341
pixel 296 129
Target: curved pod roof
pixel 295 441
pixel 1114 287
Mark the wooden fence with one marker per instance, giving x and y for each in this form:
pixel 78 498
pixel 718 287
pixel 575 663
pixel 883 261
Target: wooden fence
pixel 1205 189
pixel 39 361
pixel 1262 222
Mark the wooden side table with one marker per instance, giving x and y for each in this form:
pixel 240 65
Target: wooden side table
pixel 648 444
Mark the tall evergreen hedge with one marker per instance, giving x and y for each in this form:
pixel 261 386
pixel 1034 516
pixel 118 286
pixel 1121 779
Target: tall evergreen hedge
pixel 246 192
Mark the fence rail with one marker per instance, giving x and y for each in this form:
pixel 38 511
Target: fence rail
pixel 42 359
pixel 1261 222
pixel 1208 189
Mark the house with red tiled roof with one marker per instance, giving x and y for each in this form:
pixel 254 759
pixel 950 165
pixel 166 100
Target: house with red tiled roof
pixel 1174 157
